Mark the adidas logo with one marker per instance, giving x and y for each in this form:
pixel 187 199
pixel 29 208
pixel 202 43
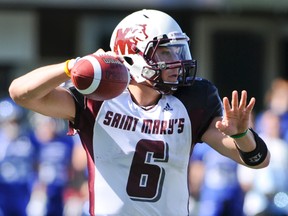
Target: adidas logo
pixel 167 108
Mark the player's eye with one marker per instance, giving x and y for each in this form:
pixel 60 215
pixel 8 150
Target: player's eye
pixel 166 54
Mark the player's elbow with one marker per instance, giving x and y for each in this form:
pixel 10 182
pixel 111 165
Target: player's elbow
pixel 17 94
pixel 13 91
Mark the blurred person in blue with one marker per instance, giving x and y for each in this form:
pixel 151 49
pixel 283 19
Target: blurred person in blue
pixel 54 164
pixel 267 189
pixel 220 193
pixel 17 165
pixel 276 100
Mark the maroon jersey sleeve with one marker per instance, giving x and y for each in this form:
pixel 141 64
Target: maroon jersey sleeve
pixel 86 110
pixel 203 104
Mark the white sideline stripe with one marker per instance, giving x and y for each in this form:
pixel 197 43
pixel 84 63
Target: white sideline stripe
pixel 97 75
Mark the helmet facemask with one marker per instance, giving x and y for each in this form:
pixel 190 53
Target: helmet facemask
pixel 167 53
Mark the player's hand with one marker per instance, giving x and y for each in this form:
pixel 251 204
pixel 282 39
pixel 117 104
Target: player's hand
pixel 111 53
pixel 236 118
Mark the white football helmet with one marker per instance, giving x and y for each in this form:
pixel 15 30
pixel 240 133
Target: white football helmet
pixel 138 36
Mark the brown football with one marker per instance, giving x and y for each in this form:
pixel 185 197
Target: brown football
pixel 100 77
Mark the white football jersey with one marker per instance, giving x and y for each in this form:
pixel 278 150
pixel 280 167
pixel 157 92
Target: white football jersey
pixel 138 159
pixel 141 158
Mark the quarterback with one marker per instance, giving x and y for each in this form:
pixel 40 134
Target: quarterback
pixel 138 144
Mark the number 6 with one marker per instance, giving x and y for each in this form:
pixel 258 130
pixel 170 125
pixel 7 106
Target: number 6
pixel 145 179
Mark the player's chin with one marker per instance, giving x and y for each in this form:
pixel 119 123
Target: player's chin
pixel 172 79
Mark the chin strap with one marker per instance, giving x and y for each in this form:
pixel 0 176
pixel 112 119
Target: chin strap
pixel 165 89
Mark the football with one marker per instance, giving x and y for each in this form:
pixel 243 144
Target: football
pixel 100 77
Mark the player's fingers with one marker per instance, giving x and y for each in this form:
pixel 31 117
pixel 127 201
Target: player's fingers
pixel 99 51
pixel 119 57
pixel 251 104
pixel 112 53
pixel 234 101
pixel 243 100
pixel 226 104
pixel 218 125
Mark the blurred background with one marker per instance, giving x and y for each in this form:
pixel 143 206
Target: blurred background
pixel 239 44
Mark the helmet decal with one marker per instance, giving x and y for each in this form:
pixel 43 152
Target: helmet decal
pixel 128 38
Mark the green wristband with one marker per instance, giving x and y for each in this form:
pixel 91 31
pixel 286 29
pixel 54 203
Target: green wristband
pixel 237 136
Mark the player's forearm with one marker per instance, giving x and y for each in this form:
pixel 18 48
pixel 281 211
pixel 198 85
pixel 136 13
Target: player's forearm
pixel 252 150
pixel 246 143
pixel 37 83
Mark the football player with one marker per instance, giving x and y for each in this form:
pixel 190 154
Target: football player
pixel 138 144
